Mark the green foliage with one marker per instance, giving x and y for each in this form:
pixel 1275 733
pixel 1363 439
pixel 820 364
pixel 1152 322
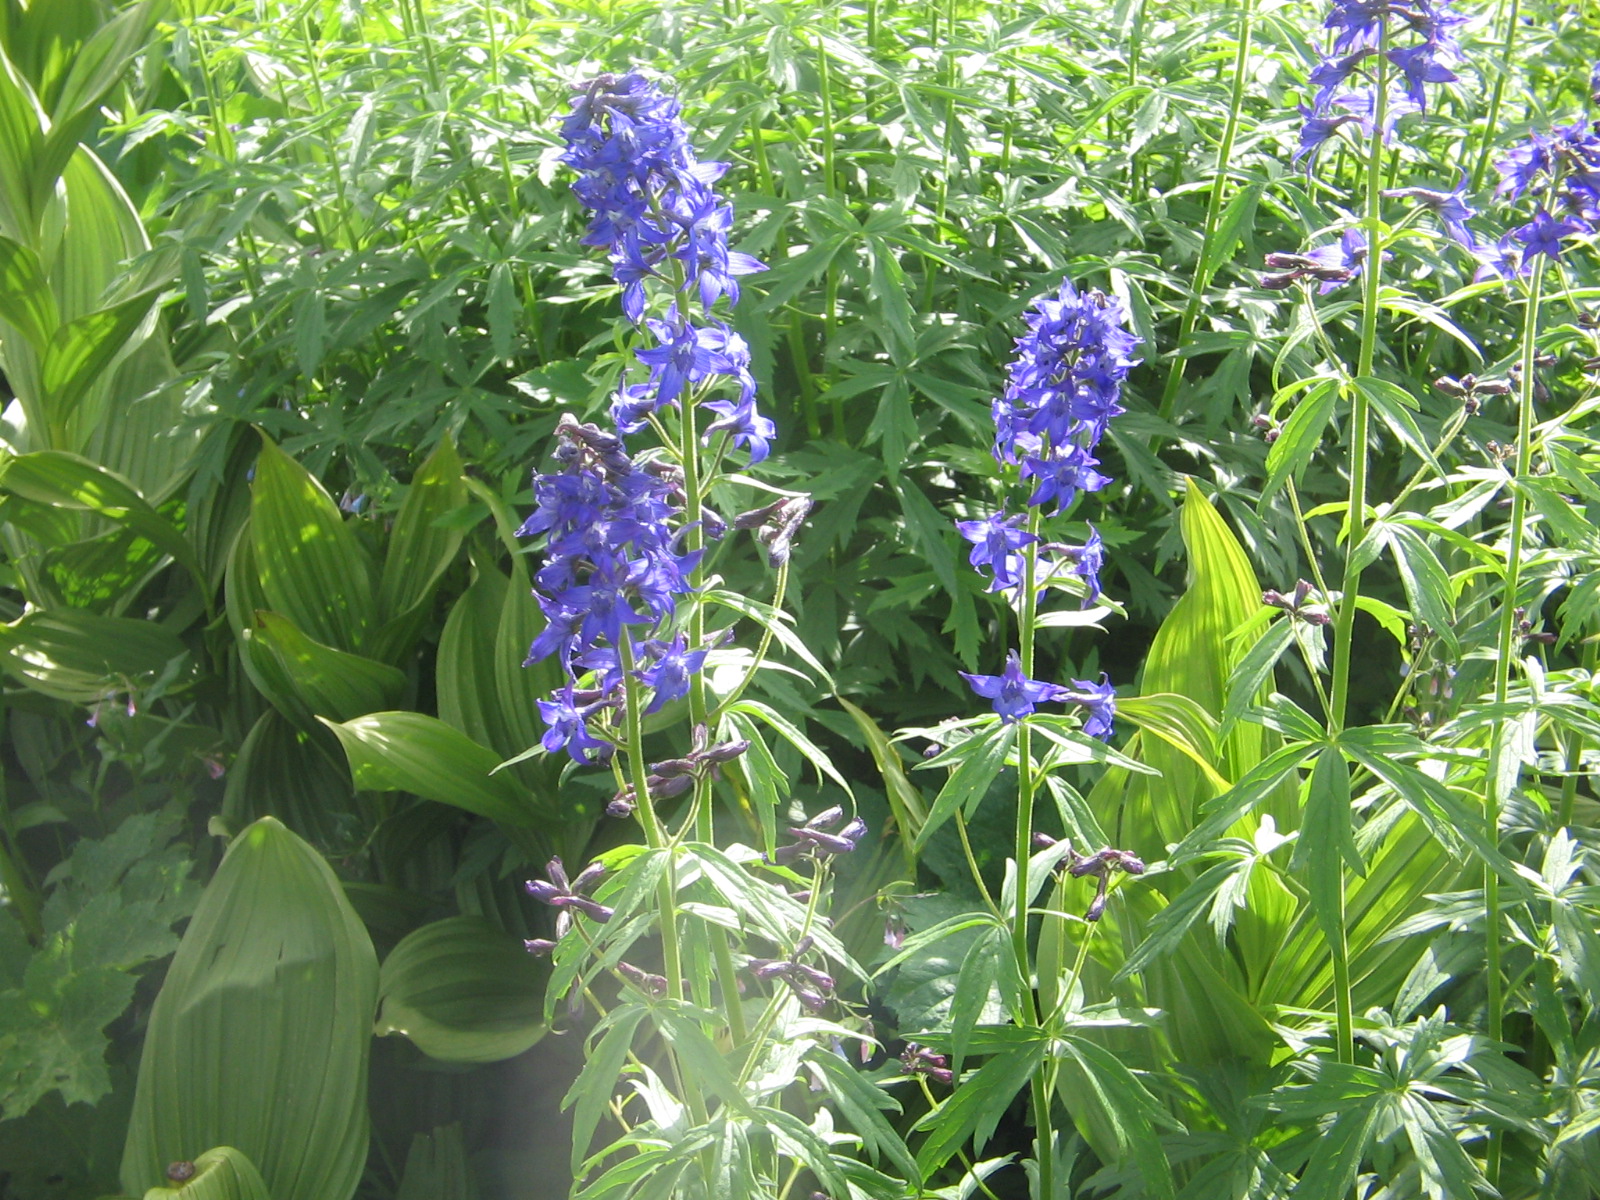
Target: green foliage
pixel 260 1035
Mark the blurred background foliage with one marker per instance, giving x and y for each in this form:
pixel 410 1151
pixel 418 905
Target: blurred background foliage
pixel 292 301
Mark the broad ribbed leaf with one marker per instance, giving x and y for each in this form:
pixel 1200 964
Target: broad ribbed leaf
pixel 68 481
pixel 329 682
pixel 412 752
pixel 419 550
pixel 26 300
pixel 436 1168
pixel 260 1035
pixel 463 991
pixel 81 350
pixel 80 657
pixel 311 568
pixel 220 1174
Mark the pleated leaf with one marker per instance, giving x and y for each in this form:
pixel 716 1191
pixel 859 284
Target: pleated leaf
pixel 260 1035
pixel 311 568
pixel 220 1174
pixel 463 991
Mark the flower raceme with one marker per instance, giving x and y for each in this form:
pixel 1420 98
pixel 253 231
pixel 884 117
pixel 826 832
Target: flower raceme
pixel 1561 169
pixel 1361 30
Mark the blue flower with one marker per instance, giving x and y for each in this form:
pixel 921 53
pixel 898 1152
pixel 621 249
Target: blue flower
pixel 1061 479
pixel 1544 235
pixel 1088 560
pixel 1101 701
pixel 747 427
pixel 996 541
pixel 671 665
pixel 1450 207
pixel 1014 694
pixel 569 728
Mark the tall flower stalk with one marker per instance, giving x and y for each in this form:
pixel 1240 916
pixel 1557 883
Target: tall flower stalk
pixel 1063 390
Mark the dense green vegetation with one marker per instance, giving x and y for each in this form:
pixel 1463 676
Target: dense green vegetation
pixel 293 298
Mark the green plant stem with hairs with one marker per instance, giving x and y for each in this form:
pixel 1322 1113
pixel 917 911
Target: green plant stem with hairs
pixel 1356 512
pixel 1204 267
pixel 1505 652
pixel 1028 611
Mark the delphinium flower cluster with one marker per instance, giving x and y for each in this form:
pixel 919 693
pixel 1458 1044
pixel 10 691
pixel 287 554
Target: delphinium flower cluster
pixel 622 533
pixel 1559 173
pixel 658 215
pixel 1416 40
pixel 1063 390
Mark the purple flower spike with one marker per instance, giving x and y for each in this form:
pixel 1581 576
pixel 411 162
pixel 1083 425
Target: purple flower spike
pixel 1014 694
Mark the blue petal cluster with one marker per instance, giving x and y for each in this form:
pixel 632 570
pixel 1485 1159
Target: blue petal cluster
pixel 656 211
pixel 1062 391
pixel 1562 168
pixel 1360 30
pixel 613 565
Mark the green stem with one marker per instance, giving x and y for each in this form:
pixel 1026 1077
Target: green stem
pixel 1491 124
pixel 1506 649
pixel 1219 184
pixel 1574 759
pixel 1356 513
pixel 1026 784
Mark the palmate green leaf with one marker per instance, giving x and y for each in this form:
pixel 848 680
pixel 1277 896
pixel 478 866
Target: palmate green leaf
pixel 1394 406
pixel 976 985
pixel 801 1143
pixel 1327 841
pixel 1164 934
pixel 311 568
pixel 974 1109
pixel 220 1174
pixel 1427 584
pixel 862 1104
pixel 977 761
pixel 462 991
pixel 1130 1111
pixel 1338 1154
pixel 260 1035
pixel 413 752
pixel 1301 436
pixel 590 1094
pixel 1254 672
pixel 790 733
pixel 51 1035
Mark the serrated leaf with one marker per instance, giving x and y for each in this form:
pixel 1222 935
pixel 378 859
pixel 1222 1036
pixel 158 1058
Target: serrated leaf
pixel 978 761
pixel 978 1103
pixel 1301 435
pixel 52 1039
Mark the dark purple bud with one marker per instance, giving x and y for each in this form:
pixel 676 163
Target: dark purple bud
pixel 664 789
pixel 621 805
pixel 820 980
pixel 804 945
pixel 1277 283
pixel 545 893
pixel 538 947
pixel 725 751
pixel 1302 593
pixel 589 878
pixel 811 1000
pixel 1450 387
pixel 557 874
pixel 590 908
pixel 715 526
pixel 769 968
pixel 1097 906
pixel 1043 841
pixel 672 767
pixel 756 517
pixel 827 818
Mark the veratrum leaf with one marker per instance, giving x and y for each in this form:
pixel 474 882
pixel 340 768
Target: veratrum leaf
pixel 463 991
pixel 80 657
pixel 312 569
pixel 260 1035
pixel 220 1174
pixel 412 752
pixel 419 551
